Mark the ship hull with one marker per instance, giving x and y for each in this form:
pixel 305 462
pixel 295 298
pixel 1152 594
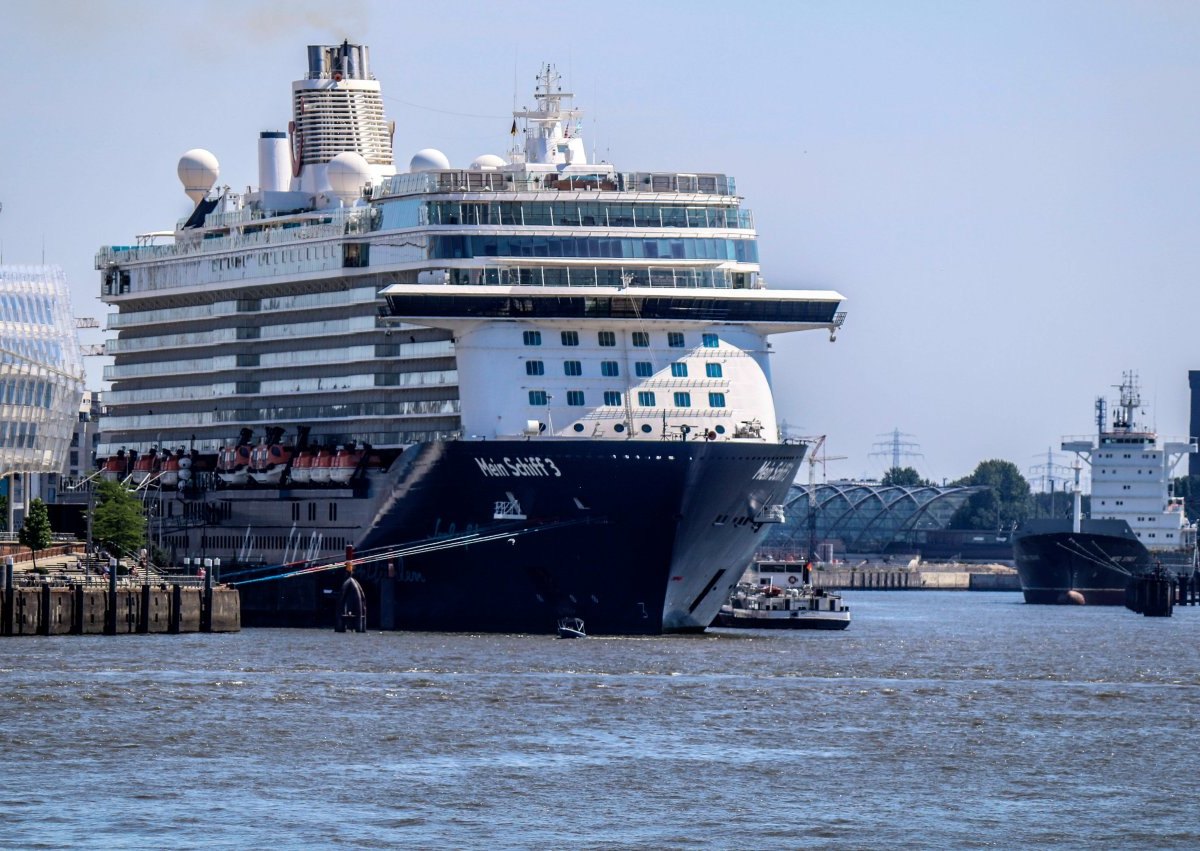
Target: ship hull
pixel 1094 566
pixel 784 620
pixel 507 536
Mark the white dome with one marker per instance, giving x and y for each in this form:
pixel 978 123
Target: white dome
pixel 198 171
pixel 487 161
pixel 428 159
pixel 348 172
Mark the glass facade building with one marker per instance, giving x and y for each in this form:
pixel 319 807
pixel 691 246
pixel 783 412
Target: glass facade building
pixel 859 518
pixel 41 369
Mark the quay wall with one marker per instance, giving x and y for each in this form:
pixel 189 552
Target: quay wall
pixel 46 609
pixel 844 579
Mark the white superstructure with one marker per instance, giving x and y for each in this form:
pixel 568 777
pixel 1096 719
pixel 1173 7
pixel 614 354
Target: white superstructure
pixel 533 295
pixel 1131 474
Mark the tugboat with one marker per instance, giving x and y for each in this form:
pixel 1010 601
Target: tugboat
pixel 772 607
pixel 1135 526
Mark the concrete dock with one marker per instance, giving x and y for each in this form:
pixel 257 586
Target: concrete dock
pixel 66 599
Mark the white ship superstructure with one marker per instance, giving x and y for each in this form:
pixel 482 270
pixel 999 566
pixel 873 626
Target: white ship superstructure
pixel 1131 474
pixel 538 294
pixel 535 374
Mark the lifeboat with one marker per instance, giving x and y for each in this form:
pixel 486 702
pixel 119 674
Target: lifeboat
pixel 321 465
pixel 302 467
pixel 233 465
pixel 114 467
pixel 169 475
pixel 145 467
pixel 345 463
pixel 267 463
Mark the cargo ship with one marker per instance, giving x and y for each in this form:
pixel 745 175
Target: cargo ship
pixel 1136 526
pixel 523 389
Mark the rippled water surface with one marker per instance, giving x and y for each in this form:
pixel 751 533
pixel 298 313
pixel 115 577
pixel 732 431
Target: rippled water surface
pixel 938 719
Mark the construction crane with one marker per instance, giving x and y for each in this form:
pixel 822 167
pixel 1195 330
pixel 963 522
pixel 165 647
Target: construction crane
pixel 815 444
pixel 89 349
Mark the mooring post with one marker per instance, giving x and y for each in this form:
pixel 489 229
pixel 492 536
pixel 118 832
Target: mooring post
pixel 207 603
pixel 6 616
pixel 110 614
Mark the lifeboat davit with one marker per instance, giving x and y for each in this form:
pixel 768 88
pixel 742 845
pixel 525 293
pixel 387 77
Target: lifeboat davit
pixel 321 466
pixel 344 465
pixel 267 463
pixel 233 465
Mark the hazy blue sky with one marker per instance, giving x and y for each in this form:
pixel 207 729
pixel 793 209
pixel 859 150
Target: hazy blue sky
pixel 1006 192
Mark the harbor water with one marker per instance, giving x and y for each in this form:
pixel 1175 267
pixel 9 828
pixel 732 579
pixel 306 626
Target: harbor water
pixel 937 720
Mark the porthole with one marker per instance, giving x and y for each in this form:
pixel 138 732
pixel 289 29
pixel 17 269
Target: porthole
pixel 646 428
pixel 719 429
pixel 578 426
pixel 619 427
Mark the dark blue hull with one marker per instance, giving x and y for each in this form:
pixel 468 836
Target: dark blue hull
pixel 1094 566
pixel 633 537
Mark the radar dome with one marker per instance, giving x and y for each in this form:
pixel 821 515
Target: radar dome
pixel 348 172
pixel 487 161
pixel 198 170
pixel 428 159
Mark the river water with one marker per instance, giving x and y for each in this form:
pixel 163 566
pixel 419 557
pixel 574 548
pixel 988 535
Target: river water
pixel 937 720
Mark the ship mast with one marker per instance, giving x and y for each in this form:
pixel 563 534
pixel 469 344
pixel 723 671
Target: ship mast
pixel 552 134
pixel 1131 399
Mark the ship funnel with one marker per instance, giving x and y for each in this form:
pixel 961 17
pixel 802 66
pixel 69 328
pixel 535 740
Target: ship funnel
pixel 337 108
pixel 274 161
pixel 198 171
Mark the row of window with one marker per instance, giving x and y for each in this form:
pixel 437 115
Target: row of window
pixel 29 392
pixel 638 339
pixel 612 369
pixel 458 247
pixel 612 398
pixel 567 214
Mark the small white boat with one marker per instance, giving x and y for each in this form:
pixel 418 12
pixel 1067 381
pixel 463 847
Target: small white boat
pixel 571 628
pixel 772 607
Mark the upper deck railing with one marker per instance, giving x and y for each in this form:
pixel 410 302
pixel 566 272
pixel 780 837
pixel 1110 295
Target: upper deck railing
pixel 465 180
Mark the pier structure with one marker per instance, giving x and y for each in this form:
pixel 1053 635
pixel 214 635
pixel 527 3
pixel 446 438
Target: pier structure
pixel 77 603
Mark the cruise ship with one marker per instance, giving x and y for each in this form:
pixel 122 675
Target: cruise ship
pixel 1136 527
pixel 527 388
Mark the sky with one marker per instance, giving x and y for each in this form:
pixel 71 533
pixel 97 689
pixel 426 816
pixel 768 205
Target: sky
pixel 1006 193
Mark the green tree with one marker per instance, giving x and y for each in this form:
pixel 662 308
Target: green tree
pixel 35 531
pixel 1005 503
pixel 1188 489
pixel 117 520
pixel 905 477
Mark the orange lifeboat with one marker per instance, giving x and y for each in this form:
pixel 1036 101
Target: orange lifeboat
pixel 145 467
pixel 267 463
pixel 233 465
pixel 115 467
pixel 345 463
pixel 302 467
pixel 321 466
pixel 169 477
